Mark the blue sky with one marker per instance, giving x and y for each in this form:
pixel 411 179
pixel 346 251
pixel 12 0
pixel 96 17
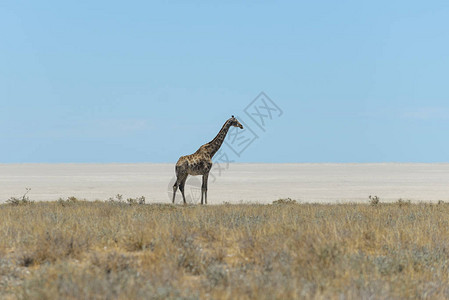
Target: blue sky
pixel 102 81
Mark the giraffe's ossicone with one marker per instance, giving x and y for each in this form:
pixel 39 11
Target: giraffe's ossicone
pixel 200 162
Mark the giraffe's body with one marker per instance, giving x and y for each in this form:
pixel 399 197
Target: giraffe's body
pixel 200 162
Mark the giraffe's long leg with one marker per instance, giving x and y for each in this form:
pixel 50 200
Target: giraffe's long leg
pixel 180 176
pixel 181 187
pixel 204 188
pixel 175 189
pixel 202 193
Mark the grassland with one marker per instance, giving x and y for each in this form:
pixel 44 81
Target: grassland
pixel 109 250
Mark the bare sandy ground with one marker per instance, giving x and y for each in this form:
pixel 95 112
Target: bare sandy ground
pixel 261 183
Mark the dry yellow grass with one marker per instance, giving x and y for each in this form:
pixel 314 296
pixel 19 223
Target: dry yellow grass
pixel 99 250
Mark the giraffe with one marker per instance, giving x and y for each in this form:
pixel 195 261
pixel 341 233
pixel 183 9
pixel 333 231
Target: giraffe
pixel 200 162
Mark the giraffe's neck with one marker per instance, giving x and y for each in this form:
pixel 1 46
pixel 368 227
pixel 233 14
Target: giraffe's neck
pixel 216 143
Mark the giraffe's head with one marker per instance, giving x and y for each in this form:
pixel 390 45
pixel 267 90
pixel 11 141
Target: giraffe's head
pixel 235 122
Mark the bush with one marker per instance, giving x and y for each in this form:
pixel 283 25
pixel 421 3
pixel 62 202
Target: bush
pixel 24 200
pixel 284 201
pixel 374 200
pixel 138 200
